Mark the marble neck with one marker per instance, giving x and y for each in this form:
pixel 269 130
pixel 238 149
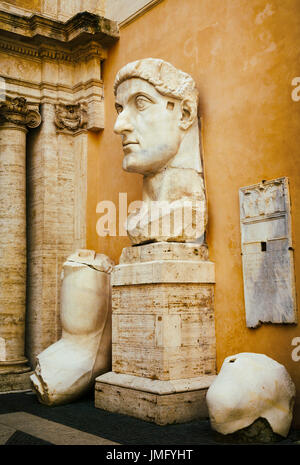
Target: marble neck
pixel 177 179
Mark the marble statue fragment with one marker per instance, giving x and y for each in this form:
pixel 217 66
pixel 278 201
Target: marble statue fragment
pixel 249 387
pixel 157 119
pixel 268 253
pixel 163 332
pixel 67 368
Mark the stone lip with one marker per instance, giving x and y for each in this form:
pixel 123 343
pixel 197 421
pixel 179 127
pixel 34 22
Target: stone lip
pixel 164 271
pixel 164 251
pixel 155 386
pixel 78 29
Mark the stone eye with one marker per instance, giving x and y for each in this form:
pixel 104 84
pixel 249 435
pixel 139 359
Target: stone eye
pixel 119 108
pixel 141 102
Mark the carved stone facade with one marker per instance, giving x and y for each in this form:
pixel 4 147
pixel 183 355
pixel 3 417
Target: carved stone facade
pixel 51 83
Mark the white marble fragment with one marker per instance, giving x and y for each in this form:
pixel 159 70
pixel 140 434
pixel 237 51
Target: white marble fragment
pixel 68 368
pixel 267 253
pixel 250 386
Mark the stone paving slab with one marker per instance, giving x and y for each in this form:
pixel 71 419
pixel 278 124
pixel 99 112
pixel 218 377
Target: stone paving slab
pixel 50 431
pixel 5 433
pixel 83 417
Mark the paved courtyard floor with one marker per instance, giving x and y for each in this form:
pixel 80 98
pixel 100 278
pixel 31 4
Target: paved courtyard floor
pixel 24 421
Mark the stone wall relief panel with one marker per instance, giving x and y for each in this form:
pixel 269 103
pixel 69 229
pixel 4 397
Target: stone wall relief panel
pixel 267 253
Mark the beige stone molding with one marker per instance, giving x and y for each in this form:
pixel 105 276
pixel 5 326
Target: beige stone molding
pixel 56 9
pixel 50 52
pixel 16 111
pixel 90 91
pixel 156 386
pixel 70 117
pixel 57 62
pixel 80 28
pixel 164 271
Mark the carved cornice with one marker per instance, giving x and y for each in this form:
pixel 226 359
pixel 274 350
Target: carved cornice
pixel 47 52
pixel 16 111
pixel 70 117
pixel 15 84
pixel 82 28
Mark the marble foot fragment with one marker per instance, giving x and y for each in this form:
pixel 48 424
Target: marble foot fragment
pixel 68 368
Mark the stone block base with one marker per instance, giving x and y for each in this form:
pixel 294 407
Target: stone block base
pixel 15 381
pixel 160 402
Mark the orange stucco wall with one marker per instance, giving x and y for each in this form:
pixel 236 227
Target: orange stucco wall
pixel 243 56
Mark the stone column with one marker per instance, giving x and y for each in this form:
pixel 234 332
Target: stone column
pixel 15 117
pixel 56 198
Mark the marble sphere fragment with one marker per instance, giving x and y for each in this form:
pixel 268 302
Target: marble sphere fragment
pixel 251 386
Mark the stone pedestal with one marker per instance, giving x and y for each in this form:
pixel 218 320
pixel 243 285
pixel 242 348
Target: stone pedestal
pixel 163 352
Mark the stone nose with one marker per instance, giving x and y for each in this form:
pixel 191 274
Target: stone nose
pixel 123 123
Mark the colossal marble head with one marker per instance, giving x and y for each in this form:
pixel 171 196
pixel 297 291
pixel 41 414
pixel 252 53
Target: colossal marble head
pixel 157 106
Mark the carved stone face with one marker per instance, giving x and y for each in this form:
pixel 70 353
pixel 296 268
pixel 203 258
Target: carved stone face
pixel 149 124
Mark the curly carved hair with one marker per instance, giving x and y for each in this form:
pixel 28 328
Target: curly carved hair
pixel 166 79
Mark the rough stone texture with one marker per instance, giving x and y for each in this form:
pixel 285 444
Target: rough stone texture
pixel 15 117
pixel 55 65
pixel 268 262
pixel 163 335
pixel 66 369
pixel 56 9
pixel 250 386
pixel 56 223
pixel 163 404
pixel 259 432
pixel 163 331
pixel 163 318
pixel 157 386
pixel 13 242
pixel 164 251
pixel 16 381
pixel 164 271
pixel 80 28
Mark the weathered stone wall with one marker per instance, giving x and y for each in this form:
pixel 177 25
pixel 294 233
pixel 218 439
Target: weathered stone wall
pixel 61 77
pixel 56 9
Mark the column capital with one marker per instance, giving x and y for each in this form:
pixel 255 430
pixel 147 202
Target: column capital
pixel 16 110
